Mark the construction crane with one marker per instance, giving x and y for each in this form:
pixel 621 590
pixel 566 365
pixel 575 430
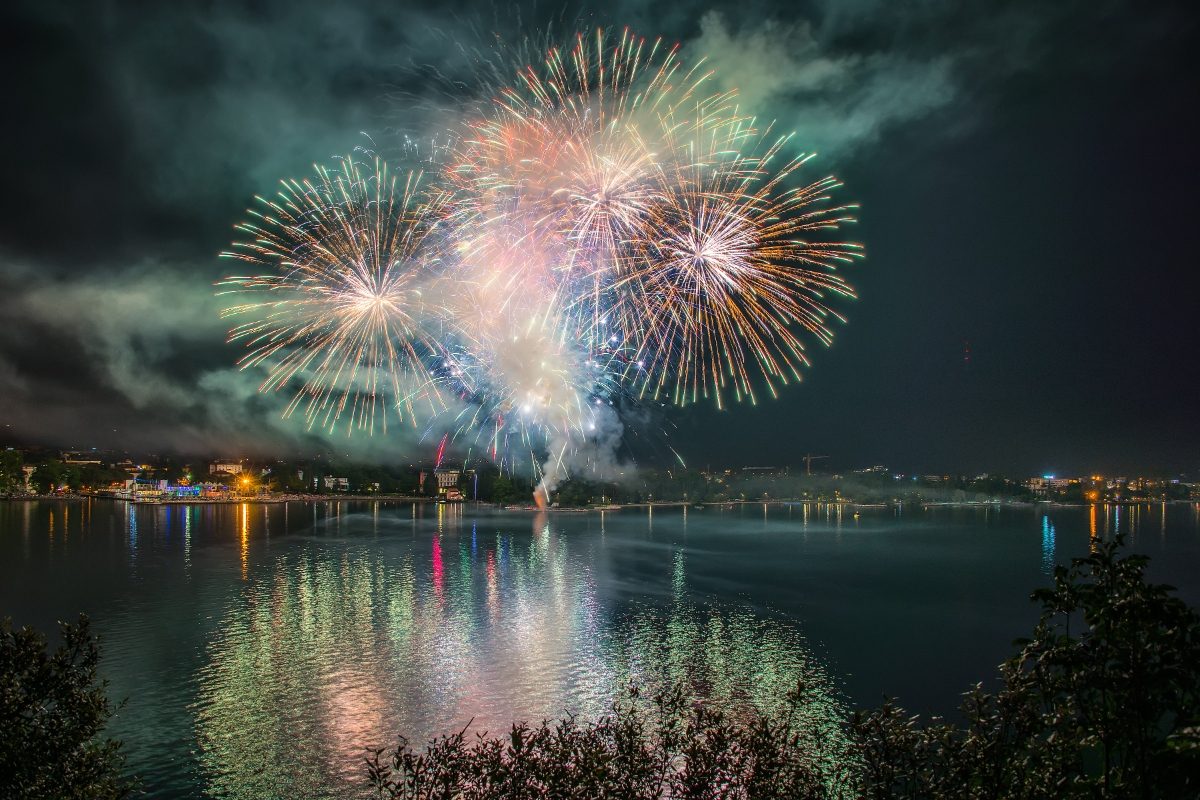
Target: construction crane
pixel 808 459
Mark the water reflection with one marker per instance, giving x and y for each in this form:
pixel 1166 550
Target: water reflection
pixel 1047 545
pixel 262 646
pixel 132 523
pixel 323 655
pixel 188 513
pixel 245 537
pixel 1093 538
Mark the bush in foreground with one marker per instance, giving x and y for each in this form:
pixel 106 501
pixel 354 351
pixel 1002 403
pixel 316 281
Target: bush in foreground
pixel 1102 701
pixel 673 748
pixel 52 712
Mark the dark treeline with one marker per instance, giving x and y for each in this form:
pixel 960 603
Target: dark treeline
pixel 695 486
pixel 487 483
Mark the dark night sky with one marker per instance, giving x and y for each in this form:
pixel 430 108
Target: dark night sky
pixel 1027 173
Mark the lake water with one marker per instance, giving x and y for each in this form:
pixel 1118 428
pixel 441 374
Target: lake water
pixel 263 648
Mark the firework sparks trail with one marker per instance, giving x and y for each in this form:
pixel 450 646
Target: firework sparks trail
pixel 731 276
pixel 343 313
pixel 603 228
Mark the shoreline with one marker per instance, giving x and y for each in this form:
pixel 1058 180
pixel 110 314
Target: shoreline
pixel 361 498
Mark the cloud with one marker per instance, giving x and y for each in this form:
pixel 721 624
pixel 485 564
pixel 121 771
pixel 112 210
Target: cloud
pixel 835 101
pixel 143 347
pixel 12 383
pixel 132 324
pixel 768 59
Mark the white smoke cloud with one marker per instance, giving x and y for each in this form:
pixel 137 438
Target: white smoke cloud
pixel 155 339
pixel 590 453
pixel 131 323
pixel 835 102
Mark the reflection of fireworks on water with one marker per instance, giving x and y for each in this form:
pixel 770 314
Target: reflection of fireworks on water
pixel 604 226
pixel 508 625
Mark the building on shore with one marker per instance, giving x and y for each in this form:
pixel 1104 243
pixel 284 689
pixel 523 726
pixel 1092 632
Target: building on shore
pixel 81 458
pixel 447 483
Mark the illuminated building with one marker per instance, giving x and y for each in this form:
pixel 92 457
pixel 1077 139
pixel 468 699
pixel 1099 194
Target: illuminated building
pixel 1048 484
pixel 143 490
pixel 447 482
pixel 73 457
pixel 129 467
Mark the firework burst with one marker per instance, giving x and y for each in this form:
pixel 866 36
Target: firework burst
pixel 342 313
pixel 604 226
pixel 731 273
pixel 569 156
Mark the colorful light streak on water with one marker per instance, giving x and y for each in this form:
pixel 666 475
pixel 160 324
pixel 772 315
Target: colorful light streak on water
pixel 1048 549
pixel 376 647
